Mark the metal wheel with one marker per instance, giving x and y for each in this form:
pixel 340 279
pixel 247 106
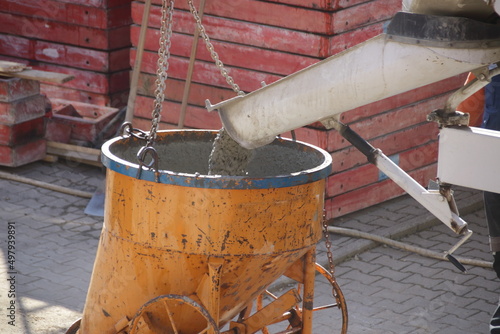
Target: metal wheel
pixel 172 314
pixel 294 316
pixel 337 294
pixel 74 328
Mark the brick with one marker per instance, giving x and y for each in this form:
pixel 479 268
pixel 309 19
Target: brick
pixel 22 154
pixel 20 133
pixel 12 89
pixel 23 110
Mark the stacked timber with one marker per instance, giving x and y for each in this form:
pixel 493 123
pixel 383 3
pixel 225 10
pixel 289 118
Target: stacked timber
pixel 22 121
pixel 88 39
pixel 263 41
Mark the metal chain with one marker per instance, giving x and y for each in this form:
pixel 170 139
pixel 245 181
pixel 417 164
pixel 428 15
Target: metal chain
pixel 162 66
pixel 328 245
pixel 211 49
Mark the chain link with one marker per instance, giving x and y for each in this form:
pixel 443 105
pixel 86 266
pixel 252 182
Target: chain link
pixel 212 51
pixel 328 245
pixel 162 66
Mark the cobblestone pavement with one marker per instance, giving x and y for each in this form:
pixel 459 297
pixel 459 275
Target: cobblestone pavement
pixel 387 290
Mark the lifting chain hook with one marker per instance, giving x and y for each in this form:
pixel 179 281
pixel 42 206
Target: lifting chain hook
pixel 212 51
pixel 152 164
pixel 162 66
pixel 127 130
pixel 167 12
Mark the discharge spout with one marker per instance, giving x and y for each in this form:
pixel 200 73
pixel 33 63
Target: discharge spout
pixel 414 50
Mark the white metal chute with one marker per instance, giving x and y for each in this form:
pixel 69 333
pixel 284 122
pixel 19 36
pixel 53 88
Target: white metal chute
pixel 371 71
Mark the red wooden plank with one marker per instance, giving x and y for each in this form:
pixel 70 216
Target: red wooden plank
pixel 62 54
pixel 313 4
pixel 411 96
pixel 275 62
pixel 207 73
pixel 15 88
pixel 119 60
pixel 196 117
pixel 90 81
pixel 51 10
pixel 23 110
pixel 72 56
pixel 82 58
pixel 145 124
pixel 373 194
pixel 175 90
pixel 22 154
pixel 272 14
pixel 364 14
pixel 346 40
pixel 21 133
pixel 16 46
pixel 62 92
pixel 312 136
pixel 246 33
pixel 348 3
pixel 97 3
pixel 390 121
pixel 367 174
pixel 390 144
pixel 64 33
pixel 84 80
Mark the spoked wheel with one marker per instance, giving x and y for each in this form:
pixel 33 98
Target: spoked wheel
pixel 294 316
pixel 172 314
pixel 337 294
pixel 74 328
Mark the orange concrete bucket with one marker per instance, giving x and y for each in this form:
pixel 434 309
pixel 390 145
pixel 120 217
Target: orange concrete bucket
pixel 182 251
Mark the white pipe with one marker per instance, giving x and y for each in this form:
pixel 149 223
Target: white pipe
pixel 368 72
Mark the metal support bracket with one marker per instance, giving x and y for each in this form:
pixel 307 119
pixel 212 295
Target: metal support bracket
pixel 449 116
pixel 443 207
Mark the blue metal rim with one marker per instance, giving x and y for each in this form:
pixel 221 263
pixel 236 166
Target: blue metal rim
pixel 128 168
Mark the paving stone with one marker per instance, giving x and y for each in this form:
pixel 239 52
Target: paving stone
pixel 387 289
